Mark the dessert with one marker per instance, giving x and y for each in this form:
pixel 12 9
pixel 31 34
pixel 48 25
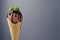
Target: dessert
pixel 14 19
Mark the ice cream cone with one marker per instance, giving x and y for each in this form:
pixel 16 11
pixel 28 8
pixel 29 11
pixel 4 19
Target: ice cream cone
pixel 14 29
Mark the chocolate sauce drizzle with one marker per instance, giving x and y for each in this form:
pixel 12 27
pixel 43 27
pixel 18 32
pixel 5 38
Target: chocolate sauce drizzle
pixel 19 16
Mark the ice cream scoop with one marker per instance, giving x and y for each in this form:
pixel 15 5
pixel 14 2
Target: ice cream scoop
pixel 14 19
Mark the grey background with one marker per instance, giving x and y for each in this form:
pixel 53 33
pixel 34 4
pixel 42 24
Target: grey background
pixel 41 19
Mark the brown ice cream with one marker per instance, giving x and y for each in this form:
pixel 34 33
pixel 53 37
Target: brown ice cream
pixel 14 17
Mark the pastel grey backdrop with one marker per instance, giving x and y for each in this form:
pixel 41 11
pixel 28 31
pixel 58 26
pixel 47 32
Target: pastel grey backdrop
pixel 41 19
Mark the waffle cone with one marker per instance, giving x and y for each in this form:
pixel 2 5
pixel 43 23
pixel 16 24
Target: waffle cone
pixel 14 29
